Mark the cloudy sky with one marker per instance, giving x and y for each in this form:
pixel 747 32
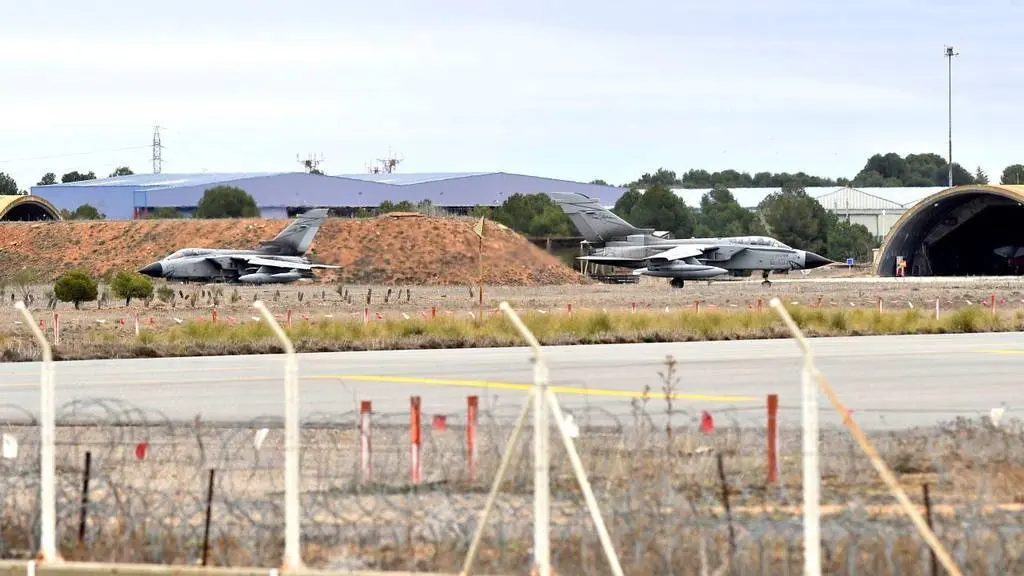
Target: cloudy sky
pixel 575 89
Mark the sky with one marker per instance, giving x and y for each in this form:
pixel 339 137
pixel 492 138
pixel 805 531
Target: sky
pixel 578 89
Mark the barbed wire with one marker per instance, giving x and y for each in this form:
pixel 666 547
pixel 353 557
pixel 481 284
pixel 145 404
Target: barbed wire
pixel 671 495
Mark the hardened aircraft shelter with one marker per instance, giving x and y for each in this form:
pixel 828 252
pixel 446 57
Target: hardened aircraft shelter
pixel 26 208
pixel 956 232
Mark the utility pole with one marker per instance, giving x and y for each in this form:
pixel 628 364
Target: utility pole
pixel 949 57
pixel 157 148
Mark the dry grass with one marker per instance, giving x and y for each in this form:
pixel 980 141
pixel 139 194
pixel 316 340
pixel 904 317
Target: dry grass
pixel 243 336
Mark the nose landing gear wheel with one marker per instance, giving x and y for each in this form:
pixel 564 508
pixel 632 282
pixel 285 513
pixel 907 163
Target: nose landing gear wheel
pixel 766 283
pixel 676 282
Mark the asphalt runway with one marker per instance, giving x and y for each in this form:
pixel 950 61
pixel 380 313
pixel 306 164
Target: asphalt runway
pixel 889 381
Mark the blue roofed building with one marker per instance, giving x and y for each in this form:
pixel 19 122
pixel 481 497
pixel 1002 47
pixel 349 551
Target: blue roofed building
pixel 282 194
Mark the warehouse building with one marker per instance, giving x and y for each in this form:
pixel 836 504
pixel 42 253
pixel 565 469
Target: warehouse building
pixel 282 194
pixel 876 208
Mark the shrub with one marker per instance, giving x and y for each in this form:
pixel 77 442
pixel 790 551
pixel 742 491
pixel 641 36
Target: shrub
pixel 128 285
pixel 75 286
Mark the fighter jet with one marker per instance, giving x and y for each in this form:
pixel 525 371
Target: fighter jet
pixel 647 252
pixel 1014 256
pixel 278 261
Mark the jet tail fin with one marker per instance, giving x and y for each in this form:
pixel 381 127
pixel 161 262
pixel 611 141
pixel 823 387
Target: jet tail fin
pixel 595 222
pixel 295 239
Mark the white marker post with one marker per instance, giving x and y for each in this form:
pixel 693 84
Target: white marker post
pixel 47 466
pixel 543 396
pixel 292 552
pixel 811 469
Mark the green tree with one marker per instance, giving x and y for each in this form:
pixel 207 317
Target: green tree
pixel 797 219
pixel 980 177
pixel 624 205
pixel 226 202
pixel 1012 175
pixel 599 182
pixel 47 179
pixel 533 215
pixel 722 215
pixel 389 206
pixel 486 211
pixel 735 179
pixel 912 170
pixel 75 286
pixel 121 171
pixel 846 240
pixel 83 212
pixel 8 187
pixel 128 285
pixel 76 176
pixel 165 213
pixel 661 177
pixel 659 208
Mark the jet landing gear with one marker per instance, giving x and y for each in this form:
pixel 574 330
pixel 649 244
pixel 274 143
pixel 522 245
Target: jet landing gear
pixel 676 282
pixel 766 282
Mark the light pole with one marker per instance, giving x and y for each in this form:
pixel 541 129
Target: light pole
pixel 949 56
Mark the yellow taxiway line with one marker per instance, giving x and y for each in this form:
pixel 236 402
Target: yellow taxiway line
pixel 413 380
pixel 1003 351
pixel 526 387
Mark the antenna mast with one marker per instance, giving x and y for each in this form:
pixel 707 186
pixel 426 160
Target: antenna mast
pixel 157 149
pixel 311 164
pixel 385 165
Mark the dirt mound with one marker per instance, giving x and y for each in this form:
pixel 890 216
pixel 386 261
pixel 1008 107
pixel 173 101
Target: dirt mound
pixel 374 250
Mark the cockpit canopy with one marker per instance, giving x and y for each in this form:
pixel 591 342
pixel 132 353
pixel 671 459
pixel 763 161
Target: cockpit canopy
pixel 759 241
pixel 185 252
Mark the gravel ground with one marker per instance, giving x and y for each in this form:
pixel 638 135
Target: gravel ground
pixel 315 301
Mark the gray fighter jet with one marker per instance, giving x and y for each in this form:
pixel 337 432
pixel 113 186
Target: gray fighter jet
pixel 614 242
pixel 278 261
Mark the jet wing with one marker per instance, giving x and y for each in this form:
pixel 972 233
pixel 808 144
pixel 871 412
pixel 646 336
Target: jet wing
pixel 285 264
pixel 254 260
pixel 679 253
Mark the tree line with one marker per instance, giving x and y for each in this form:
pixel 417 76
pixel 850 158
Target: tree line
pixel 880 170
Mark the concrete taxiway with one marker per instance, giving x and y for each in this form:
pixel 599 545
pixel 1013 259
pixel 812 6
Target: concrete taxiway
pixel 889 381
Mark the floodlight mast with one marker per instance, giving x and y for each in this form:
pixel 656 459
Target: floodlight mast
pixel 949 74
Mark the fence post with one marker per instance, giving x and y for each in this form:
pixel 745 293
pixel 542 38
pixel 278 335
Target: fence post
pixel 415 439
pixel 47 465
pixel 883 470
pixel 365 408
pixel 773 438
pixel 811 470
pixel 543 391
pixel 471 416
pixel 56 329
pixel 292 554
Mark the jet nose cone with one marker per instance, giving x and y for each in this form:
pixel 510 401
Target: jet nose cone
pixel 812 260
pixel 155 270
